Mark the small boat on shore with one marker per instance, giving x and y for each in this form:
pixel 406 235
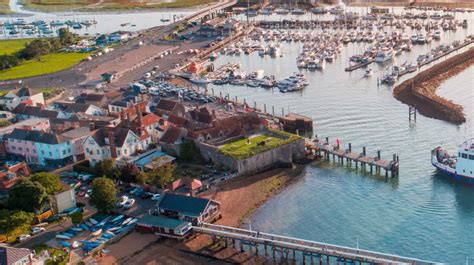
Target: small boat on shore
pixel 460 167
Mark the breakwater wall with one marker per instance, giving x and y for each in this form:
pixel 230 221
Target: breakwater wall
pixel 420 91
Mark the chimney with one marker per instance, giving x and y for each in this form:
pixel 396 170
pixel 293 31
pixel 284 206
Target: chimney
pixel 113 149
pixel 139 115
pixel 91 126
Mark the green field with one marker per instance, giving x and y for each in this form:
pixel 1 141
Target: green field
pixel 11 46
pixel 49 63
pixel 248 147
pixel 4 7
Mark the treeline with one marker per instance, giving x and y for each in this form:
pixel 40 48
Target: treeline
pixel 38 48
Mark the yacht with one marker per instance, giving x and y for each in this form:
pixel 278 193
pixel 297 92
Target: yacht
pixel 282 11
pixel 384 55
pixel 460 167
pixel 297 11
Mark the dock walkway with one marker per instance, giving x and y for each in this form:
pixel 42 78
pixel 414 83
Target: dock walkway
pixel 284 245
pixel 324 149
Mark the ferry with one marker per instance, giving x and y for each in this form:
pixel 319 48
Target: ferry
pixel 460 167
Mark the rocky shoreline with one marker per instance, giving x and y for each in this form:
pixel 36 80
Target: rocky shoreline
pixel 420 91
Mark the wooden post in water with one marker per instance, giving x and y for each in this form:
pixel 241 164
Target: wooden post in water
pixel 265 108
pixel 273 111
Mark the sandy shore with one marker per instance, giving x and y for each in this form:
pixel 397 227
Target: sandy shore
pixel 420 91
pixel 239 198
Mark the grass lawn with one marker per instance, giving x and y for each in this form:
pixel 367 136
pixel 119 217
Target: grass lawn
pixel 49 92
pixel 4 7
pixel 60 254
pixel 11 46
pixel 248 147
pixel 49 63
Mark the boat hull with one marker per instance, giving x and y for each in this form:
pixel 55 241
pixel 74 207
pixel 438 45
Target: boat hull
pixel 452 174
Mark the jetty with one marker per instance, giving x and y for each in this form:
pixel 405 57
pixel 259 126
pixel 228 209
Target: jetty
pixel 324 149
pixel 465 43
pixel 359 65
pixel 289 247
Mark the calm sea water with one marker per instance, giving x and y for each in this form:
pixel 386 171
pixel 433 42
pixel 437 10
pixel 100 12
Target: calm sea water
pixel 420 214
pixel 106 22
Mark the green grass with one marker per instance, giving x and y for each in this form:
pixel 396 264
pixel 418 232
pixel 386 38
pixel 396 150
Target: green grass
pixel 61 255
pixel 248 147
pixel 49 63
pixel 49 92
pixel 4 7
pixel 9 47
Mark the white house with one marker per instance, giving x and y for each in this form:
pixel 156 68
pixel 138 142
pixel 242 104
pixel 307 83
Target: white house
pixel 14 98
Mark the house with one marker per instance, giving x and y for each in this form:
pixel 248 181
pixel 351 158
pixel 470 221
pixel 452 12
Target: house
pixel 186 185
pixel 77 136
pixel 13 98
pixel 114 142
pixel 38 124
pixel 11 173
pixel 69 108
pixel 26 110
pixel 63 124
pixel 148 160
pixel 37 147
pixel 118 36
pixel 172 139
pixel 163 226
pixel 95 99
pixel 64 200
pixel 168 107
pixel 186 208
pixel 15 256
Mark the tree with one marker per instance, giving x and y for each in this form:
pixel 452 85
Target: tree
pixel 27 196
pixel 107 168
pixel 161 173
pixel 36 49
pixel 129 173
pixel 56 44
pixel 13 220
pixel 103 194
pixel 50 182
pixel 142 177
pixel 190 152
pixel 67 37
pixel 76 218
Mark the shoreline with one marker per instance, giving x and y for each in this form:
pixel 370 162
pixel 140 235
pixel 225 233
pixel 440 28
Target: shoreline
pixel 420 91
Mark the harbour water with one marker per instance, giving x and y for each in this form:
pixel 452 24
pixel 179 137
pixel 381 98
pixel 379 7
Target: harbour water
pixel 106 22
pixel 421 213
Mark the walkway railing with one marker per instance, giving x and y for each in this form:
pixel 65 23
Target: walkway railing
pixel 306 247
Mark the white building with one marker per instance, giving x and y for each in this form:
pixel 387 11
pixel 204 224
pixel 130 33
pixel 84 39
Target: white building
pixel 14 98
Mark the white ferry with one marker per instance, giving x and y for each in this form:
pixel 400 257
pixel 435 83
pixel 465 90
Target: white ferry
pixel 460 167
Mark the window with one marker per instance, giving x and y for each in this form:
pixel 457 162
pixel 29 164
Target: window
pixel 87 150
pixel 27 149
pixel 118 152
pixel 98 151
pixel 471 157
pixel 42 152
pixel 34 151
pixel 64 152
pixel 125 151
pixel 13 147
pixel 19 148
pixel 464 155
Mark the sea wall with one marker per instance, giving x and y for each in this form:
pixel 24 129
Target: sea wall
pixel 420 91
pixel 278 156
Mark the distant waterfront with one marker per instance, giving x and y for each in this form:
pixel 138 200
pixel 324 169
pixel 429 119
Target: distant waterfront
pixel 107 22
pixel 420 214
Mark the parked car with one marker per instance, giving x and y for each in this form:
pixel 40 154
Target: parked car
pixel 122 200
pixel 23 238
pixel 129 204
pixel 155 197
pixel 146 195
pixel 37 230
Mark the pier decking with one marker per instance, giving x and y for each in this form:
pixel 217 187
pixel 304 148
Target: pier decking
pixel 359 65
pixel 324 149
pixel 288 247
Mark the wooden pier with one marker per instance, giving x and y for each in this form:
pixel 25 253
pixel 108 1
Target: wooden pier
pixel 359 65
pixel 296 249
pixel 324 149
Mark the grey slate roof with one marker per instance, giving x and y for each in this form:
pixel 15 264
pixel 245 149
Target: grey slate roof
pixel 10 255
pixel 183 204
pixel 36 136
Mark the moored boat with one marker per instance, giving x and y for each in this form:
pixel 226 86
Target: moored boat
pixel 460 167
